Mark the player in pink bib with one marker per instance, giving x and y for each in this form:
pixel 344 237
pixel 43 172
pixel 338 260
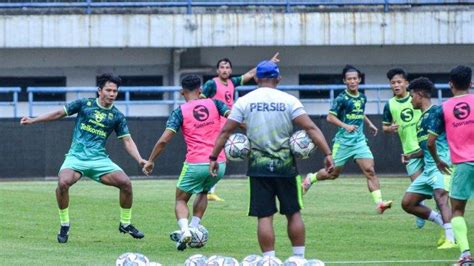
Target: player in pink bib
pixel 222 88
pixel 200 121
pixel 457 120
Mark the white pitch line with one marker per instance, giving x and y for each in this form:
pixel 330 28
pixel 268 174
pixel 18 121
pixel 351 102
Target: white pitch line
pixel 388 261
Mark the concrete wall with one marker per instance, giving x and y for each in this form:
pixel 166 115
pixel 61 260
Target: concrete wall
pixel 399 27
pixel 38 150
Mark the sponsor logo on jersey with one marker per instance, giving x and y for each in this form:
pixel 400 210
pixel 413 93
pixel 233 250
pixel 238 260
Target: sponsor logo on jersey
pixel 461 110
pixel 268 107
pixel 406 115
pixel 200 113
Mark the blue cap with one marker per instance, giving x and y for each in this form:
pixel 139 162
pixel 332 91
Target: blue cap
pixel 267 69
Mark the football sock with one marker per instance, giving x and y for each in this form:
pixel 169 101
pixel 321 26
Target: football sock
pixel 436 218
pixel 64 216
pixel 270 253
pixel 313 177
pixel 125 216
pixel 448 231
pixel 460 231
pixel 212 190
pixel 183 224
pixel 298 251
pixel 194 221
pixel 377 196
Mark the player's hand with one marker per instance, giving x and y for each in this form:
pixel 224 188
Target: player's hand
pixel 213 168
pixel 351 128
pixel 443 167
pixel 142 162
pixel 275 58
pixel 148 167
pixel 329 164
pixel 26 120
pixel 373 130
pixel 405 158
pixel 393 128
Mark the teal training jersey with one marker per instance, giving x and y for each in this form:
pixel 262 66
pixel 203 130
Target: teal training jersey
pixel 209 89
pixel 175 120
pixel 428 123
pixel 94 124
pixel 350 110
pixel 402 113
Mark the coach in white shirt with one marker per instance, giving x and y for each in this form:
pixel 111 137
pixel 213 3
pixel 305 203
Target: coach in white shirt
pixel 269 115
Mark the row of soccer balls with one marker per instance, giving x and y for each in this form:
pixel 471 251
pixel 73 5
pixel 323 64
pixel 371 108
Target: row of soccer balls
pixel 137 259
pixel 237 146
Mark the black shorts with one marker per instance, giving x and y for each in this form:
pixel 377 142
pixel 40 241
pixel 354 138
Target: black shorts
pixel 265 190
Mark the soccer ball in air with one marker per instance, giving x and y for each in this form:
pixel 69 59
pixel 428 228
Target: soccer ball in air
pixel 314 262
pixel 301 145
pixel 132 259
pixel 196 260
pixel 295 261
pixel 237 147
pixel 251 260
pixel 270 261
pixel 199 237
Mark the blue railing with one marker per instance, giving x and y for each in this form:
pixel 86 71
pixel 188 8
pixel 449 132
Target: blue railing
pixel 14 102
pixel 88 5
pixel 174 99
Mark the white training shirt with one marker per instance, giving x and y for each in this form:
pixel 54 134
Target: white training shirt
pixel 268 114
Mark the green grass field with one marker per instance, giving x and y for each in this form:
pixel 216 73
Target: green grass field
pixel 341 225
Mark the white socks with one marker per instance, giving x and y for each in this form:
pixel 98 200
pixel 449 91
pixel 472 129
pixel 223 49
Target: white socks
pixel 436 218
pixel 448 231
pixel 194 221
pixel 298 251
pixel 183 224
pixel 270 253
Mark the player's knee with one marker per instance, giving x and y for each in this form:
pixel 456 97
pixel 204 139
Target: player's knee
pixel 63 185
pixel 333 175
pixel 126 186
pixel 441 197
pixel 369 172
pixel 406 205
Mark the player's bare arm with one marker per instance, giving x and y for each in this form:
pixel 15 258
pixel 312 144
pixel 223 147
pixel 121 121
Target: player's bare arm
pixel 372 128
pixel 392 128
pixel 132 149
pixel 56 115
pixel 157 150
pixel 331 118
pixel 431 144
pixel 408 157
pixel 251 73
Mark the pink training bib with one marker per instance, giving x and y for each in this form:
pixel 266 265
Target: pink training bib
pixel 459 121
pixel 224 93
pixel 201 126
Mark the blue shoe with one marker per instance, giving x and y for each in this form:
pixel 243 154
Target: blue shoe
pixel 420 222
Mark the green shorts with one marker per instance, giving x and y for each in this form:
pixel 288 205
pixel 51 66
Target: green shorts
pixel 462 183
pixel 414 165
pixel 195 178
pixel 428 181
pixel 93 169
pixel 341 153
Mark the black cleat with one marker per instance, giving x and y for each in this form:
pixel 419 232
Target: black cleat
pixel 130 229
pixel 63 234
